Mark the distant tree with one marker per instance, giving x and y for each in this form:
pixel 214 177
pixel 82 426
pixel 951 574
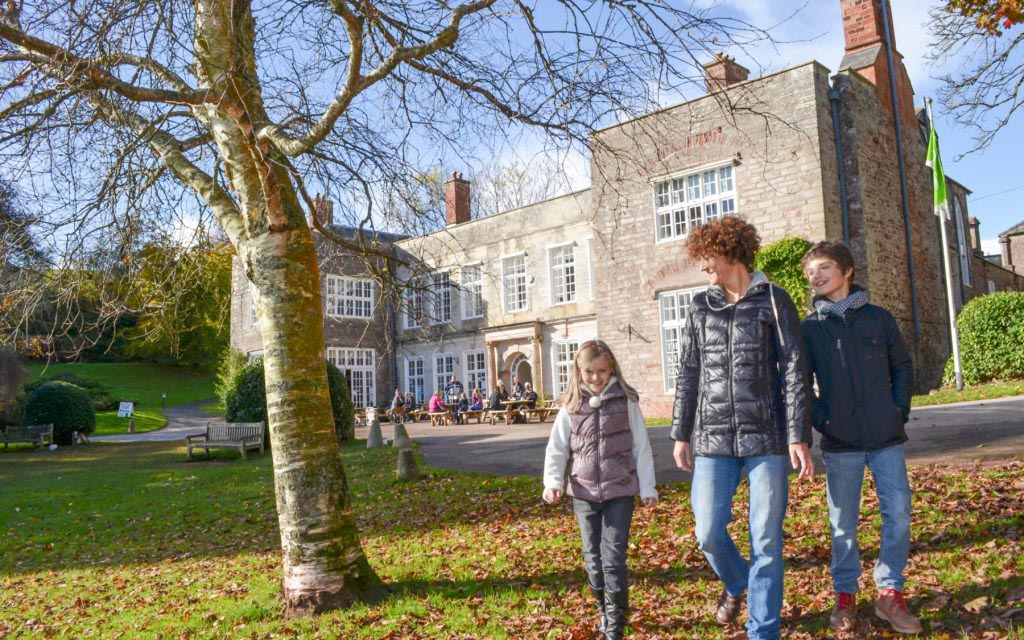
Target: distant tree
pixel 182 296
pixel 12 377
pixel 18 245
pixel 984 92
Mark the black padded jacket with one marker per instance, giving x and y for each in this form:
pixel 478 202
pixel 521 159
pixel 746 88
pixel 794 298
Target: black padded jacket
pixel 741 386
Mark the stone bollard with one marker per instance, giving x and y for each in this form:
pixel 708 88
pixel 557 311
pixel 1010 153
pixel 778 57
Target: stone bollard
pixel 375 439
pixel 402 439
pixel 407 465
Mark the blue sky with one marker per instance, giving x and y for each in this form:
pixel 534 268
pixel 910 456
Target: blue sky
pixel 816 32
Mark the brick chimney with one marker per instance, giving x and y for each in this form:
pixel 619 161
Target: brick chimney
pixel 723 71
pixel 323 209
pixel 975 232
pixel 456 200
pixel 864 31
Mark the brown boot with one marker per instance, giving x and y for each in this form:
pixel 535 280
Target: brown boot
pixel 891 607
pixel 728 608
pixel 844 614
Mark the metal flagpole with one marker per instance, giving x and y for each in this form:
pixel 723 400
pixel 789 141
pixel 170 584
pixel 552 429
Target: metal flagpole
pixel 942 211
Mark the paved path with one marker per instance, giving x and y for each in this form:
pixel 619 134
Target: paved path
pixel 948 434
pixel 182 420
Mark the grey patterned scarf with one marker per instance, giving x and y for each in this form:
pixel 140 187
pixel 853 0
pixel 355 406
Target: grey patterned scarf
pixel 855 300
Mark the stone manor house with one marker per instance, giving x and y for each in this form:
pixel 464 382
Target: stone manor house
pixel 799 152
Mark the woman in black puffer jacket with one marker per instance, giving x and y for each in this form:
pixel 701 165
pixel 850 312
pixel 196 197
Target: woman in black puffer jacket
pixel 741 405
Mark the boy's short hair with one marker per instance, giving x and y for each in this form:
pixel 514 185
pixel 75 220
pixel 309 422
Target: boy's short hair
pixel 730 237
pixel 831 250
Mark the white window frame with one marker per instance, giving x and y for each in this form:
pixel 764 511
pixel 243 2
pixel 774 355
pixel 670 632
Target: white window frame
pixel 476 376
pixel 418 390
pixel 992 286
pixel 676 325
pixel 349 297
pixel 253 301
pixel 561 365
pixel 441 297
pixel 415 302
pixel 442 376
pixel 564 274
pixel 692 198
pixel 522 277
pixel 590 269
pixel 472 291
pixel 963 243
pixel 361 365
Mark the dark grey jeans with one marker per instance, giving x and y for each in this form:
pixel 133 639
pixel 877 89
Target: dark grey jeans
pixel 604 527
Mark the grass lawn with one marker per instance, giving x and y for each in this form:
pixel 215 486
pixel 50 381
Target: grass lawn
pixel 987 391
pixel 102 539
pixel 140 382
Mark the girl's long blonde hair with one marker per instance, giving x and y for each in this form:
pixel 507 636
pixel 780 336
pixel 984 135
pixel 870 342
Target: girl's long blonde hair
pixel 589 351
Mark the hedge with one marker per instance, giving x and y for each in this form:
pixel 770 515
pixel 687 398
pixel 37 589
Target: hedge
pixel 991 331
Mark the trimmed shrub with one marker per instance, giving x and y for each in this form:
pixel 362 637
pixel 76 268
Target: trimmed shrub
pixel 246 397
pixel 991 331
pixel 66 405
pixel 341 404
pixel 780 261
pixel 99 395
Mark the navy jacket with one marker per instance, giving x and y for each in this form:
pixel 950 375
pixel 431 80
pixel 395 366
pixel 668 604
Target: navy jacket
pixel 864 375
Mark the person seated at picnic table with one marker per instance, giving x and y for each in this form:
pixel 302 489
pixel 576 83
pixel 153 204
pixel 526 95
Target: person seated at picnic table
pixel 398 401
pixel 410 401
pixel 462 406
pixel 517 391
pixel 530 396
pixel 436 405
pixel 498 396
pixel 453 390
pixel 476 403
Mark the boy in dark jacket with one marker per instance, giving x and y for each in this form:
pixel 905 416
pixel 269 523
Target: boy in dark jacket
pixel 863 372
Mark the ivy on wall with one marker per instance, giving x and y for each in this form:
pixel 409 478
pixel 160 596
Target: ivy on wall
pixel 780 261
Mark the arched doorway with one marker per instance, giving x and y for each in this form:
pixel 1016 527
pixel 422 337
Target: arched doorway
pixel 521 367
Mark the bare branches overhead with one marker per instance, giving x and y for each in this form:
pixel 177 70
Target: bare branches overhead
pixel 985 92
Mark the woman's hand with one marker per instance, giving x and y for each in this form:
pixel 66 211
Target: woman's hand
pixel 800 458
pixel 649 502
pixel 551 496
pixel 683 453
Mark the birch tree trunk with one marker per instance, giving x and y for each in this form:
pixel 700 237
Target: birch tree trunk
pixel 324 564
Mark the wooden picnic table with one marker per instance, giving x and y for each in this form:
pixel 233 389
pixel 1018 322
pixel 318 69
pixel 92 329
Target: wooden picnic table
pixel 441 417
pixel 543 413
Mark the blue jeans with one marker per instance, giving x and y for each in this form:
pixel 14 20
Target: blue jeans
pixel 844 474
pixel 715 480
pixel 604 527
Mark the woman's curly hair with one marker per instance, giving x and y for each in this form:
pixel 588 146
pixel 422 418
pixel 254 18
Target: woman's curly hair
pixel 730 237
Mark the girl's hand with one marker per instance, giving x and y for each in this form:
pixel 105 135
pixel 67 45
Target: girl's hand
pixel 649 502
pixel 551 496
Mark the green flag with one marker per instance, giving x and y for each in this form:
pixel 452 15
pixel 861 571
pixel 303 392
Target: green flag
pixel 934 160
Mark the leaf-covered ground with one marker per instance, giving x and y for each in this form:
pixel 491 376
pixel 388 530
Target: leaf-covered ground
pixel 132 541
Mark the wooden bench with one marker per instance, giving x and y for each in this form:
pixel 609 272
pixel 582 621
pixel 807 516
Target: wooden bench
pixel 236 435
pixel 441 418
pixel 33 434
pixel 508 415
pixel 472 413
pixel 543 414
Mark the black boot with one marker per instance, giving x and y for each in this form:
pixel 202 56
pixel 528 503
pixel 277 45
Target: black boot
pixel 599 597
pixel 616 608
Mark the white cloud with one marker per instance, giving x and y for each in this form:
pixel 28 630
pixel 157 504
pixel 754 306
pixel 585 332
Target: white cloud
pixel 990 246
